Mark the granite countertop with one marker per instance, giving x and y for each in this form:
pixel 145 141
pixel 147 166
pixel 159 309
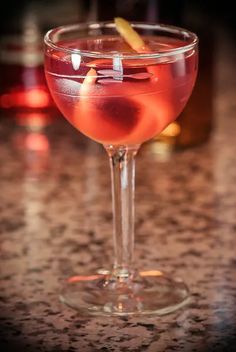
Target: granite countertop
pixel 56 219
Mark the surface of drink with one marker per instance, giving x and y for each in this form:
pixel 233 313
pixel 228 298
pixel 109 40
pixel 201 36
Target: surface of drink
pixel 121 100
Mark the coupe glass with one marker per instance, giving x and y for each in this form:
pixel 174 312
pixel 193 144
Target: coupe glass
pixel 121 98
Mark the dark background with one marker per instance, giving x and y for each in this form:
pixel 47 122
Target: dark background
pixel 209 19
pixel 210 14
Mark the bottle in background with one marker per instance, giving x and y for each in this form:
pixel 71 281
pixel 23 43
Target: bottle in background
pixel 23 90
pixel 23 87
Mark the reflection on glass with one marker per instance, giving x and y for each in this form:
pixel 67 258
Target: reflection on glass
pixel 31 141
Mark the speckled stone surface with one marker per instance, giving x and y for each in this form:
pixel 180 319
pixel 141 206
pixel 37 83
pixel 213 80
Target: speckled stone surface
pixel 56 220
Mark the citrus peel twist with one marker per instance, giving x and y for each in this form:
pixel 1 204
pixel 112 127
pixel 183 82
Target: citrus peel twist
pixel 130 35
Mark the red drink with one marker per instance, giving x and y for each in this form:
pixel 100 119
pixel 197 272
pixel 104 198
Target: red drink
pixel 121 101
pixel 121 97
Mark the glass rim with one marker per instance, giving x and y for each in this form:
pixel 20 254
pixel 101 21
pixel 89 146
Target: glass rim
pixel 110 24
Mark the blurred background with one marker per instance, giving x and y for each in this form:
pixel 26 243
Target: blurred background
pixel 40 219
pixel 24 96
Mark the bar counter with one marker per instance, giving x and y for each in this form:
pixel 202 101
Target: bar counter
pixel 56 220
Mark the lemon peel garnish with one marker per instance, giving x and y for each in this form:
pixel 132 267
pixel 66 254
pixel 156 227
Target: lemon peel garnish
pixel 129 34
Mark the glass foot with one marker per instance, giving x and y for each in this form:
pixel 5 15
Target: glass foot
pixel 143 293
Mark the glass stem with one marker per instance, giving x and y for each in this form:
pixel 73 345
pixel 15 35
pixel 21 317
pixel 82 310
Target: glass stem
pixel 122 163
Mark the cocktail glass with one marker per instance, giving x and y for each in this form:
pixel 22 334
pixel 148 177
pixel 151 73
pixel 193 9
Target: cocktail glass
pixel 121 98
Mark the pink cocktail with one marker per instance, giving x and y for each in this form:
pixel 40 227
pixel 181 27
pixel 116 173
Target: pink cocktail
pixel 121 97
pixel 121 102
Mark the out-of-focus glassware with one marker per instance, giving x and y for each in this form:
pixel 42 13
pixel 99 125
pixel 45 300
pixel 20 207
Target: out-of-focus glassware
pixel 23 85
pixel 23 89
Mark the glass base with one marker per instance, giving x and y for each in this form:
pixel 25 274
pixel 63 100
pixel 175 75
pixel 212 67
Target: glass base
pixel 142 293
